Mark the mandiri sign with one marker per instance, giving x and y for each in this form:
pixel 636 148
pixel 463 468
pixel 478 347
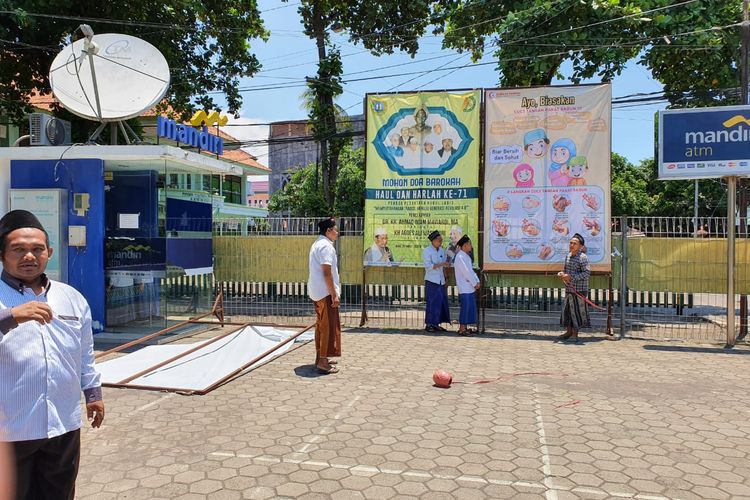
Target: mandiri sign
pixel 185 134
pixel 704 143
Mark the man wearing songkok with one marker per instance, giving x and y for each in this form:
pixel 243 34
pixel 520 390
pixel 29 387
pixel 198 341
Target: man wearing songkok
pixel 324 288
pixel 575 275
pixel 436 293
pixel 46 361
pixel 379 254
pixel 468 283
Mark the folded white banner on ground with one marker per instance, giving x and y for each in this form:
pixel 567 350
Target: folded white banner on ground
pixel 202 368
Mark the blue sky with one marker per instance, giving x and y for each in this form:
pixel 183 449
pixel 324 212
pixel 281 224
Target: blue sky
pixel 289 55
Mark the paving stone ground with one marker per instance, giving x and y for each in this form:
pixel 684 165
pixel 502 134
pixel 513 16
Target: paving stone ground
pixel 627 419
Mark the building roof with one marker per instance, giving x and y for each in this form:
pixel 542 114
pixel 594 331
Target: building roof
pixel 259 186
pixel 238 156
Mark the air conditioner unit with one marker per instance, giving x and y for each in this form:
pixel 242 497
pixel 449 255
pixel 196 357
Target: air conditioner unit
pixel 47 130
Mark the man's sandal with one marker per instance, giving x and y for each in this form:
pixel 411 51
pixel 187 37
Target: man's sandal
pixel 328 371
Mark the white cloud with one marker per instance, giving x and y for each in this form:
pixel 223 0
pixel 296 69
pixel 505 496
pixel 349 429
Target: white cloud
pixel 247 129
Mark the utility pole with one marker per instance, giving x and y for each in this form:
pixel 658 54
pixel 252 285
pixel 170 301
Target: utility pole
pixel 745 48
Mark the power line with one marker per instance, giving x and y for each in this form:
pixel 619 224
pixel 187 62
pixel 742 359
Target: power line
pixel 520 58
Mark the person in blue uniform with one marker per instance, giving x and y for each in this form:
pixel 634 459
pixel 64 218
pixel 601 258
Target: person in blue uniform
pixel 435 262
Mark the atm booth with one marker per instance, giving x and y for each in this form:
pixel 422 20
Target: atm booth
pixel 124 221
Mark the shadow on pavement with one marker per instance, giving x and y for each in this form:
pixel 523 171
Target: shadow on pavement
pixel 507 335
pixel 308 371
pixel 707 350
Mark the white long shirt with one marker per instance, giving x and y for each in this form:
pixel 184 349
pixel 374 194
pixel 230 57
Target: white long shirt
pixel 322 252
pixel 377 256
pixel 466 278
pixel 44 367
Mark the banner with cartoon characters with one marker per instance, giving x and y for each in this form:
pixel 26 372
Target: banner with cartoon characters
pixel 547 176
pixel 422 173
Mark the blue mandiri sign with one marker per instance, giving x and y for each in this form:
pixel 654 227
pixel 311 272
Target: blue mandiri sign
pixel 704 142
pixel 169 129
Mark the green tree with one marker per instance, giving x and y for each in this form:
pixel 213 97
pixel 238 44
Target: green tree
pixel 690 47
pixel 350 185
pixel 382 28
pixel 205 43
pixel 676 198
pixel 636 191
pixel 699 67
pixel 303 194
pixel 630 183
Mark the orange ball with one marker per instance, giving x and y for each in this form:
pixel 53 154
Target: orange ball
pixel 442 378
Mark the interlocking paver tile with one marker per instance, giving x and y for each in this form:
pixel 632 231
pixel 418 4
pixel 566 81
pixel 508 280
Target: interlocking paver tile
pixel 653 423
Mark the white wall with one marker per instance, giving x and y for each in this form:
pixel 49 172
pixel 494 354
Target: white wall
pixel 4 185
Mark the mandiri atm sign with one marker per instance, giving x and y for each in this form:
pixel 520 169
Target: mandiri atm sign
pixel 704 143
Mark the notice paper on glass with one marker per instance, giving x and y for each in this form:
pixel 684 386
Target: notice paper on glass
pixel 128 221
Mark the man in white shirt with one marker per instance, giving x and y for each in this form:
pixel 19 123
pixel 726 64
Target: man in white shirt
pixel 324 288
pixel 379 254
pixel 46 361
pixel 436 294
pixel 430 157
pixel 468 283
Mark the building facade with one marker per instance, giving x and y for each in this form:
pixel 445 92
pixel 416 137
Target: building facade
pixel 291 146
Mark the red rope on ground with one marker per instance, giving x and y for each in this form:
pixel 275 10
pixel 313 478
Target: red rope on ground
pixel 511 376
pixel 570 404
pixel 587 300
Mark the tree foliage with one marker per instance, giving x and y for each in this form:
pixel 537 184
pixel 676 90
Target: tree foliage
pixel 382 28
pixel 206 44
pixel 630 195
pixel 532 38
pixel 303 194
pixel 636 191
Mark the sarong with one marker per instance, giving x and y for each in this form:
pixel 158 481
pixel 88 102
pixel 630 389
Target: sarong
pixel 327 329
pixel 468 315
pixel 436 310
pixel 575 313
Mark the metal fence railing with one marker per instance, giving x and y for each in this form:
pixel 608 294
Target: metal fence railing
pixel 282 226
pixel 668 280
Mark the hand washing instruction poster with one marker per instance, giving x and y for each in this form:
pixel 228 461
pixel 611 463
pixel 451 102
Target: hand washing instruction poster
pixel 547 176
pixel 422 173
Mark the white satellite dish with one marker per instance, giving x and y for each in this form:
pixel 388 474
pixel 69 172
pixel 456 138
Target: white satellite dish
pixel 109 77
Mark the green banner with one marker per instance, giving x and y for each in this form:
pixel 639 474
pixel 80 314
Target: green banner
pixel 422 173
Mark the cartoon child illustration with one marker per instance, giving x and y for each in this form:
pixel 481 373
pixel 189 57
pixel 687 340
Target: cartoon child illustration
pixel 575 170
pixel 536 144
pixel 524 175
pixel 395 148
pixel 561 152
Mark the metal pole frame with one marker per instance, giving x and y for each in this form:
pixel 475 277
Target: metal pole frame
pixel 363 318
pixel 731 223
pixel 181 355
pixel 623 275
pixel 216 384
pixel 217 310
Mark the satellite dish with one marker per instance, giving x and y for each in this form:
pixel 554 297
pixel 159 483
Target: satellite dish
pixel 109 77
